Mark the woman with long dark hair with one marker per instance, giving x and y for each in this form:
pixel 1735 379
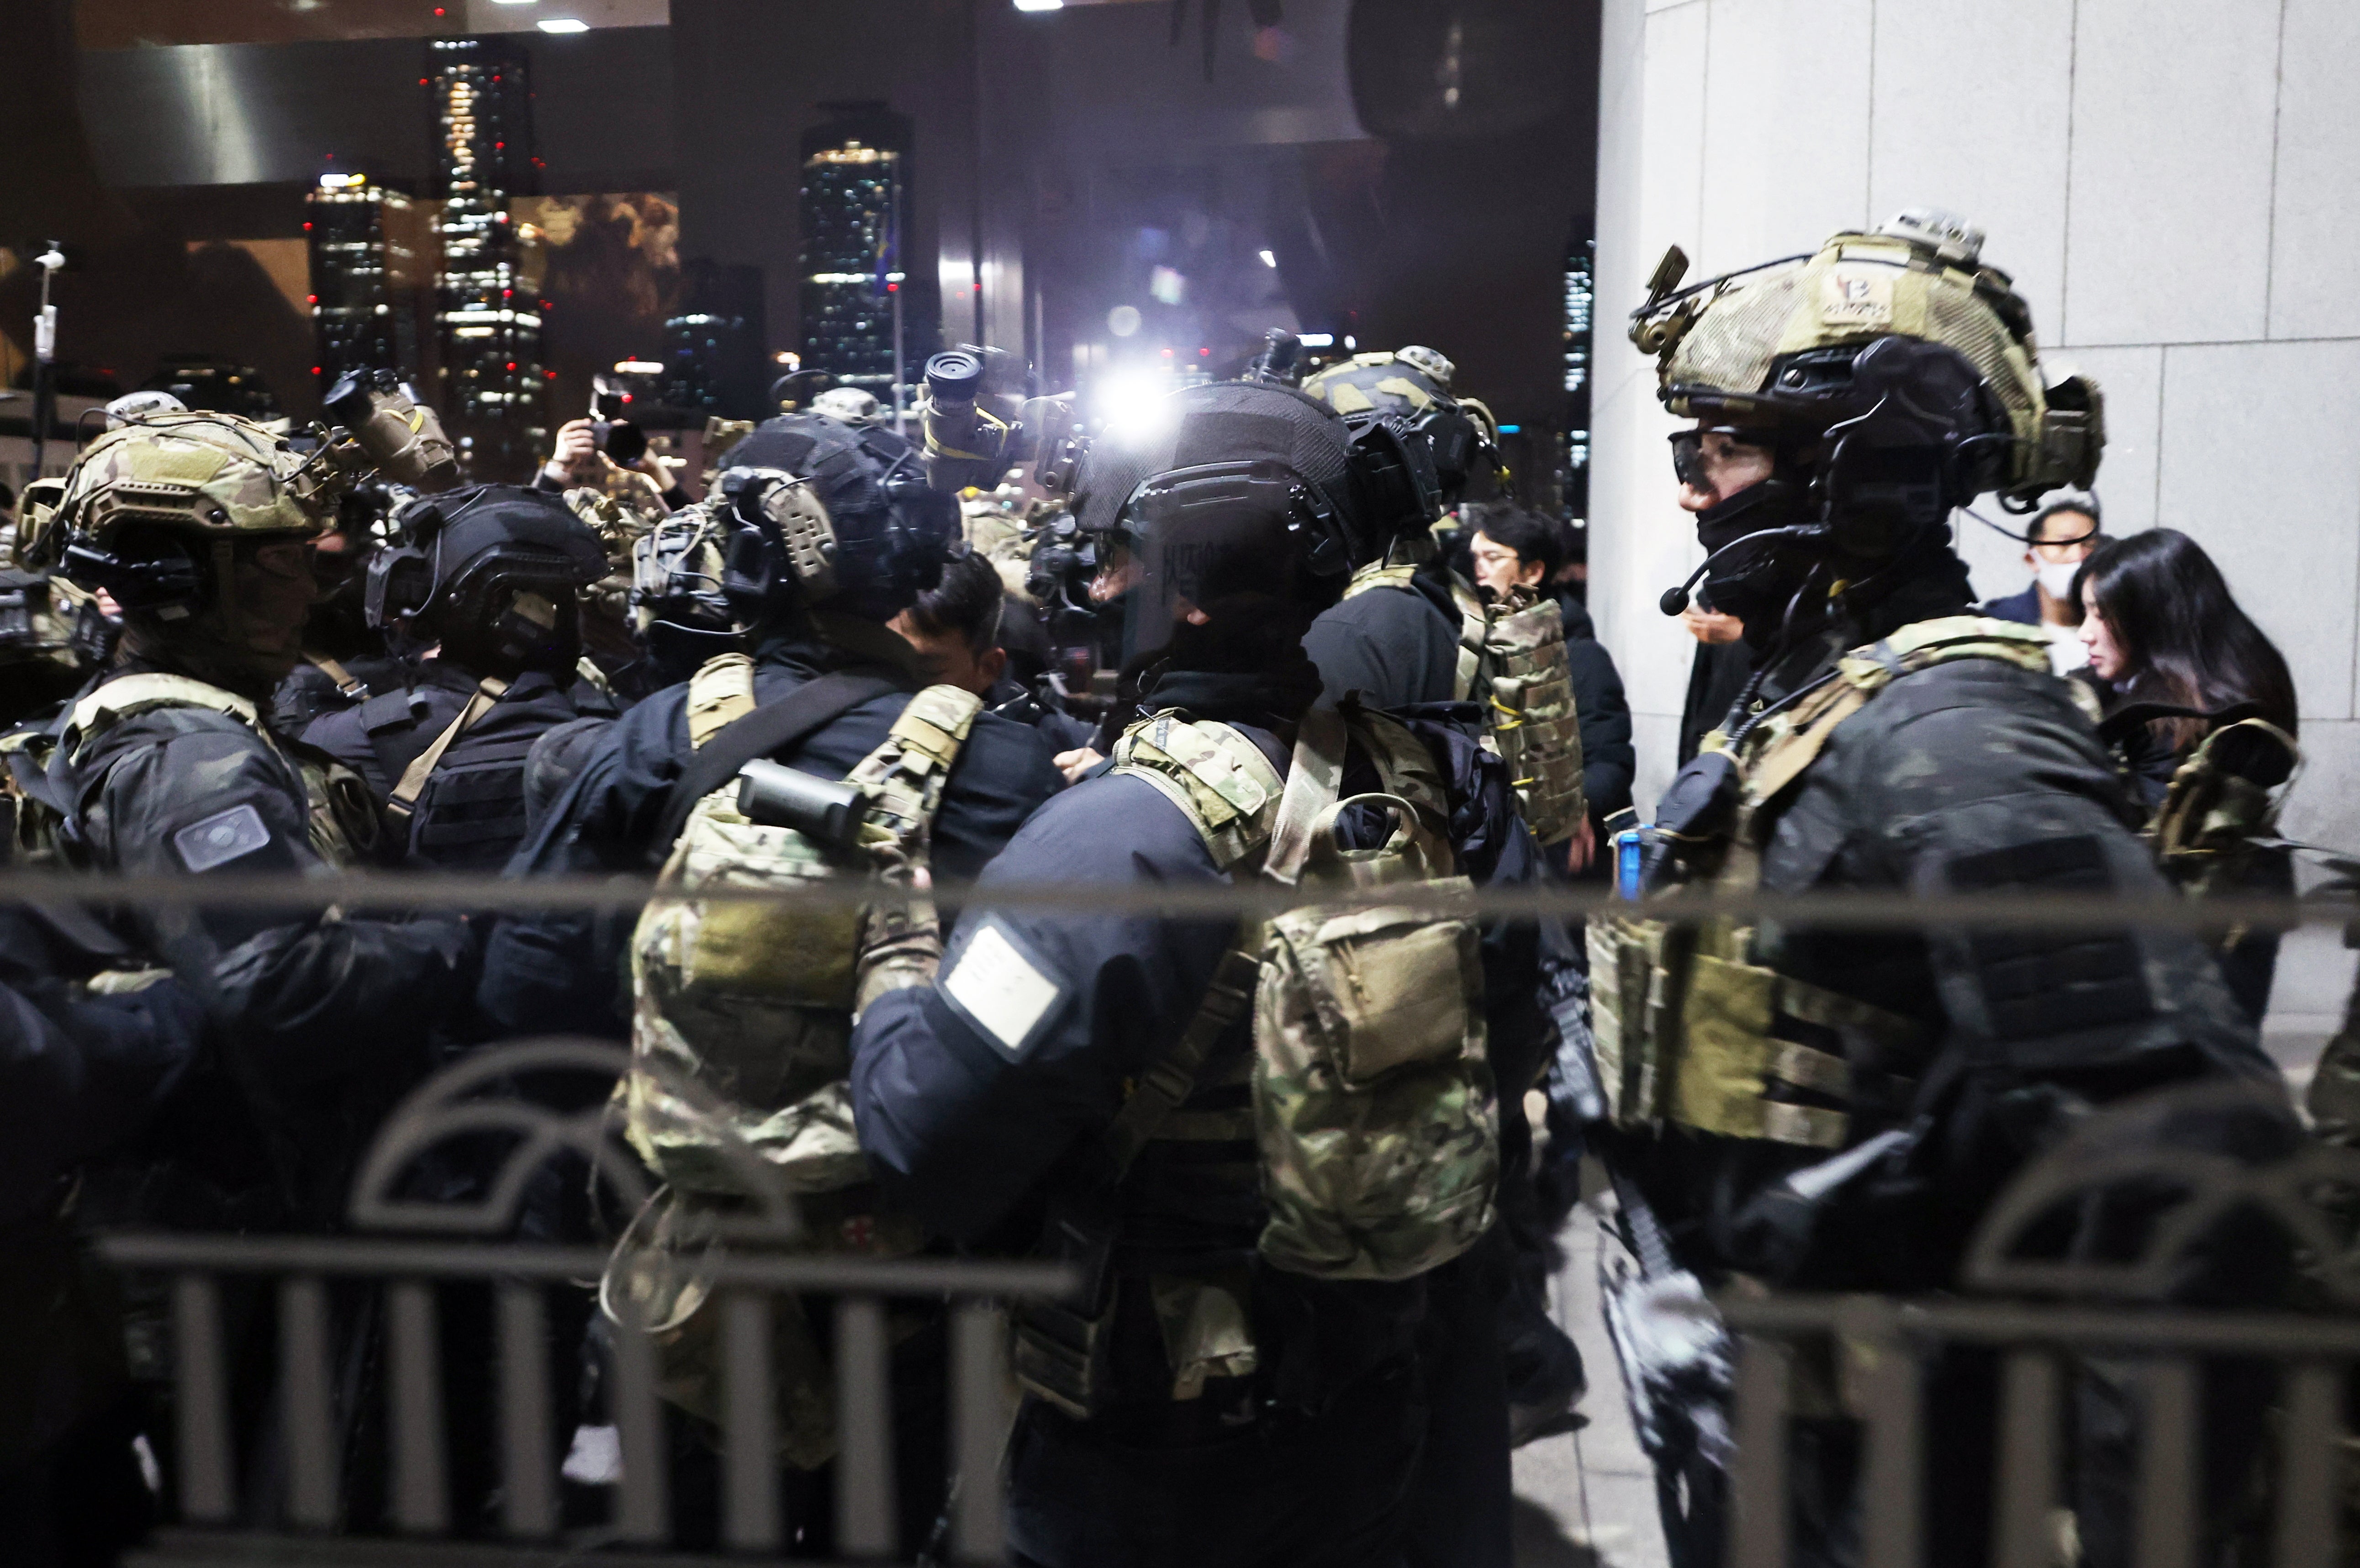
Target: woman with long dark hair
pixel 2164 631
pixel 2161 627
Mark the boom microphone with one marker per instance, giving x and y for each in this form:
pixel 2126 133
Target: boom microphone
pixel 1676 600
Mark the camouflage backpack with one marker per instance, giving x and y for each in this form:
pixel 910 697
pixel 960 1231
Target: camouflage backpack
pixel 752 1004
pixel 1511 661
pixel 754 1000
pixel 1373 1109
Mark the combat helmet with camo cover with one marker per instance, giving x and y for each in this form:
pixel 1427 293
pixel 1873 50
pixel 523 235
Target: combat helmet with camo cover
pixel 1891 378
pixel 1758 349
pixel 154 513
pixel 1413 384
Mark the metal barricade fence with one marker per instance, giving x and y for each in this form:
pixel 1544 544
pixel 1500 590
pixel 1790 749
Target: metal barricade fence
pixel 746 1288
pixel 1880 1341
pixel 421 1503
pixel 1881 1347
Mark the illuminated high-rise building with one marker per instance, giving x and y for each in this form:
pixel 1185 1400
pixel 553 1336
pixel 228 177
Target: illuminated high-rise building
pixel 363 242
pixel 855 215
pixel 713 360
pixel 492 387
pixel 1573 461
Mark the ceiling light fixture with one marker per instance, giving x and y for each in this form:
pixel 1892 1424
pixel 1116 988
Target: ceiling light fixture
pixel 563 25
pixel 1268 259
pixel 1040 4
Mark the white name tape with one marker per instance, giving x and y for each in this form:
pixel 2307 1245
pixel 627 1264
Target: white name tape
pixel 1000 991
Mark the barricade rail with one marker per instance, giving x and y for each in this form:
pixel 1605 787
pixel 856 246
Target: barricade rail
pixel 746 1287
pixel 1879 1343
pixel 1881 1346
pixel 1851 910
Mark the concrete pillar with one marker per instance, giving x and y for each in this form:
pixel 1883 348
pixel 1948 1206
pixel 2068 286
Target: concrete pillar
pixel 2175 185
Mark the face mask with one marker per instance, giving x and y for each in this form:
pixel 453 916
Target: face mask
pixel 2057 577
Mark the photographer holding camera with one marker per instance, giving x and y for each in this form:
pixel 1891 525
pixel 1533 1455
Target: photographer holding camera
pixel 590 447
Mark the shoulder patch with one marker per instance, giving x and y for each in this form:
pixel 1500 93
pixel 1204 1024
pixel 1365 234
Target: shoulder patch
pixel 997 987
pixel 221 838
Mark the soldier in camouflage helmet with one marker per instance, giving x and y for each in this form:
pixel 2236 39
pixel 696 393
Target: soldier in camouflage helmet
pixel 200 526
pixel 1830 1110
pixel 1245 1380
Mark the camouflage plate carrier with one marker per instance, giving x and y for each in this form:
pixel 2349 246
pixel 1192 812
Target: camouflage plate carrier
pixel 753 1003
pixel 1511 659
pixel 1372 1113
pixel 1688 1029
pixel 1534 724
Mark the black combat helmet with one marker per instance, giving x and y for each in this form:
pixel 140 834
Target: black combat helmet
pixel 491 572
pixel 822 514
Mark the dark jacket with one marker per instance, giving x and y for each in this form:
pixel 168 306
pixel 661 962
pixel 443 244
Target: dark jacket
pixel 565 971
pixel 2023 606
pixel 1394 646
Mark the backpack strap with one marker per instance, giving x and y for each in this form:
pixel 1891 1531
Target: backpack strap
pixel 403 803
pixel 1218 779
pixel 1377 575
pixel 904 778
pixel 1474 634
pixel 1170 1077
pixel 120 699
pixel 1315 776
pixel 1792 741
pixel 351 689
pixel 719 695
pixel 760 732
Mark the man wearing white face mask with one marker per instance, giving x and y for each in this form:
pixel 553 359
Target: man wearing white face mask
pixel 2061 536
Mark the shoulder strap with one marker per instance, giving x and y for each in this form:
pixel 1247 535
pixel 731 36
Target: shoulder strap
pixel 719 695
pixel 1474 631
pixel 403 801
pixel 1315 776
pixel 757 733
pixel 129 695
pixel 904 777
pixel 1377 575
pixel 1217 777
pixel 352 688
pixel 1169 1079
pixel 1794 741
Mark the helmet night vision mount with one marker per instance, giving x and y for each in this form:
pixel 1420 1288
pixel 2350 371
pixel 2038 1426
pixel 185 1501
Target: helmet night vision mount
pixel 1779 355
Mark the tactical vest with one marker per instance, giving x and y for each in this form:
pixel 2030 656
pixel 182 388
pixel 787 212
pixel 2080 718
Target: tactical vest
pixel 1688 1029
pixel 342 825
pixel 458 796
pixel 754 999
pixel 1512 660
pixel 1370 1120
pixel 752 1002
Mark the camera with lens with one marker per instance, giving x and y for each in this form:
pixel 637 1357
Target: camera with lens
pixel 967 444
pixel 619 438
pixel 382 428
